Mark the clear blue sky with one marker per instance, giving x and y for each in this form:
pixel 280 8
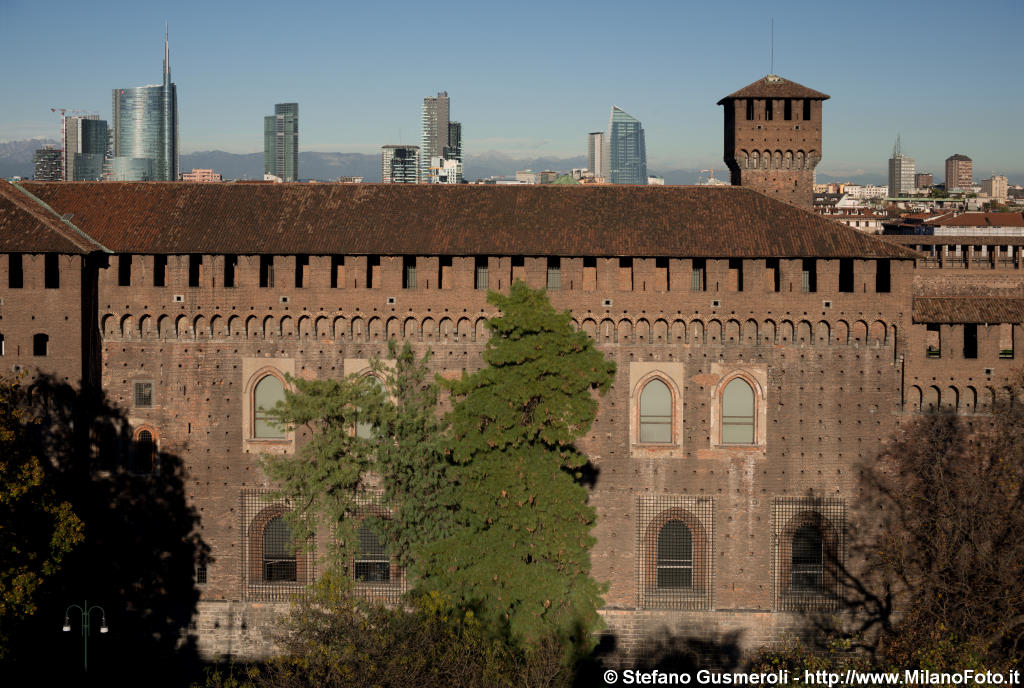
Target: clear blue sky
pixel 532 78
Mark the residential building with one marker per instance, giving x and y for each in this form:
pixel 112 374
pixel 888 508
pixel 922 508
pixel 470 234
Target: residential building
pixel 400 164
pixel 46 163
pixel 443 171
pixel 627 149
pixel 201 175
pixel 959 173
pixel 146 128
pixel 281 142
pixel 453 149
pixel 436 110
pixel 901 173
pixel 996 187
pixel 655 180
pixel 773 138
pixel 865 192
pixel 923 180
pixel 597 152
pixel 85 148
pixel 526 176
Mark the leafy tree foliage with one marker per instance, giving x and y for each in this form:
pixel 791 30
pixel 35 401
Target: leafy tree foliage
pixel 519 543
pixel 36 528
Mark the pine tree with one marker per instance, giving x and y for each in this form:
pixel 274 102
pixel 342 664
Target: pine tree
pixel 519 548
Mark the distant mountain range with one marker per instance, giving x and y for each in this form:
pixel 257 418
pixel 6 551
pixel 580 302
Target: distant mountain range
pixel 16 160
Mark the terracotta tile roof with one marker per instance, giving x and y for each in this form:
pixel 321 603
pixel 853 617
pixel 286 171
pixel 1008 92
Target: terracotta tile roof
pixel 968 310
pixel 773 86
pixel 28 226
pixel 400 219
pixel 982 220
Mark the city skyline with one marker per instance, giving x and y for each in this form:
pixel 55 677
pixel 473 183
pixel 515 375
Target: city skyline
pixel 671 85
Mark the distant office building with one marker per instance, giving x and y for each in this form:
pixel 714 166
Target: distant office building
pixel 655 180
pixel 124 169
pixel 997 187
pixel 627 149
pixel 200 175
pixel 453 150
pixel 959 173
pixel 901 172
pixel 400 164
pixel 526 176
pixel 597 161
pixel 923 180
pixel 85 146
pixel 444 171
pixel 46 162
pixel 436 110
pixel 350 180
pixel 281 142
pixel 146 128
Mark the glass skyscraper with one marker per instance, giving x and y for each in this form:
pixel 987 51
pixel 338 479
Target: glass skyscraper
pixel 435 130
pixel 146 128
pixel 627 149
pixel 281 142
pixel 85 146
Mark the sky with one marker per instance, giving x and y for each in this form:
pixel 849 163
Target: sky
pixel 530 78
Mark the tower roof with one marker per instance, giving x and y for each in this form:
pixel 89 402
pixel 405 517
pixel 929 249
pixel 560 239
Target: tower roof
pixel 774 86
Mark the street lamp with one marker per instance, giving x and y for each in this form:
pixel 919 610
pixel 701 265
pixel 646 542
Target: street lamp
pixel 86 611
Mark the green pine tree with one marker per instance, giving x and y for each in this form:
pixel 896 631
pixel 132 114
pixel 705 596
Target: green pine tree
pixel 519 545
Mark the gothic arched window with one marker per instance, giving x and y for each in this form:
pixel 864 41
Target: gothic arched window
pixel 738 412
pixel 656 413
pixel 674 559
pixel 267 392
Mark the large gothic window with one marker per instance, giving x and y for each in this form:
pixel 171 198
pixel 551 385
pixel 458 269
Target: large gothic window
pixel 279 563
pixel 807 569
pixel 372 562
pixel 656 413
pixel 674 561
pixel 268 391
pixel 738 413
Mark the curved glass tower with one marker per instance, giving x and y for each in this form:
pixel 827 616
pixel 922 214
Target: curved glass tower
pixel 146 127
pixel 627 149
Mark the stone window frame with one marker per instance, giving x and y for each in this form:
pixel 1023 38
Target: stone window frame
pixel 673 404
pixel 757 378
pixel 263 443
pixel 654 513
pixel 641 373
pixel 828 516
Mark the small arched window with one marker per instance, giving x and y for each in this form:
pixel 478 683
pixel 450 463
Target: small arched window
pixel 279 563
pixel 807 571
pixel 40 344
pixel 656 413
pixel 372 562
pixel 738 413
pixel 267 393
pixel 145 452
pixel 674 562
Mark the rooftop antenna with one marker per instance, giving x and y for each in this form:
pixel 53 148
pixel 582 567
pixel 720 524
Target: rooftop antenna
pixel 771 42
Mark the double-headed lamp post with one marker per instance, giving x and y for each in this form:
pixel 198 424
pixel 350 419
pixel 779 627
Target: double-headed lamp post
pixel 86 612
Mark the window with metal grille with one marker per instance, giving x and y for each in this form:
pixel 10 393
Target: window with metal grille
pixel 674 561
pixel 201 575
pixel 674 541
pixel 656 413
pixel 409 272
pixel 738 412
pixel 143 394
pixel 267 393
pixel 481 279
pixel 372 564
pixel 279 563
pixel 144 459
pixel 697 276
pixel 809 276
pixel 267 272
pixel 554 274
pixel 809 546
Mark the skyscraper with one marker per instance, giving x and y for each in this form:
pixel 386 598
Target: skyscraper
pixel 146 128
pixel 959 173
pixel 901 172
pixel 281 142
pixel 400 164
pixel 435 130
pixel 597 161
pixel 85 145
pixel 46 164
pixel 627 149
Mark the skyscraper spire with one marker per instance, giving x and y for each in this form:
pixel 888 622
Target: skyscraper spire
pixel 167 54
pixel 898 148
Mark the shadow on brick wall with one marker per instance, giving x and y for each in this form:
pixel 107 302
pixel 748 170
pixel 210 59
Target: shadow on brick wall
pixel 138 558
pixel 664 652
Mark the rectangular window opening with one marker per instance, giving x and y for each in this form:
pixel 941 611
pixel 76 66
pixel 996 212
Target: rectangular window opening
pixel 230 266
pixel 554 281
pixel 301 263
pixel 971 340
pixel 195 263
pixel 1006 340
pixel 372 272
pixel 750 108
pixel 408 272
pixel 809 276
pixel 159 271
pixel 518 268
pixel 846 274
pixel 933 341
pixel 625 274
pixel 772 265
pixel 787 109
pixel 883 276
pixel 769 111
pixel 124 271
pixel 267 272
pixel 444 272
pixel 52 271
pixel 337 272
pixel 735 274
pixel 661 268
pixel 40 344
pixel 807 109
pixel 480 277
pixel 15 271
pixel 697 276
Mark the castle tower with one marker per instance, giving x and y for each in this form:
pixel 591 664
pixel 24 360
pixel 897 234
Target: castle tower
pixel 773 138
